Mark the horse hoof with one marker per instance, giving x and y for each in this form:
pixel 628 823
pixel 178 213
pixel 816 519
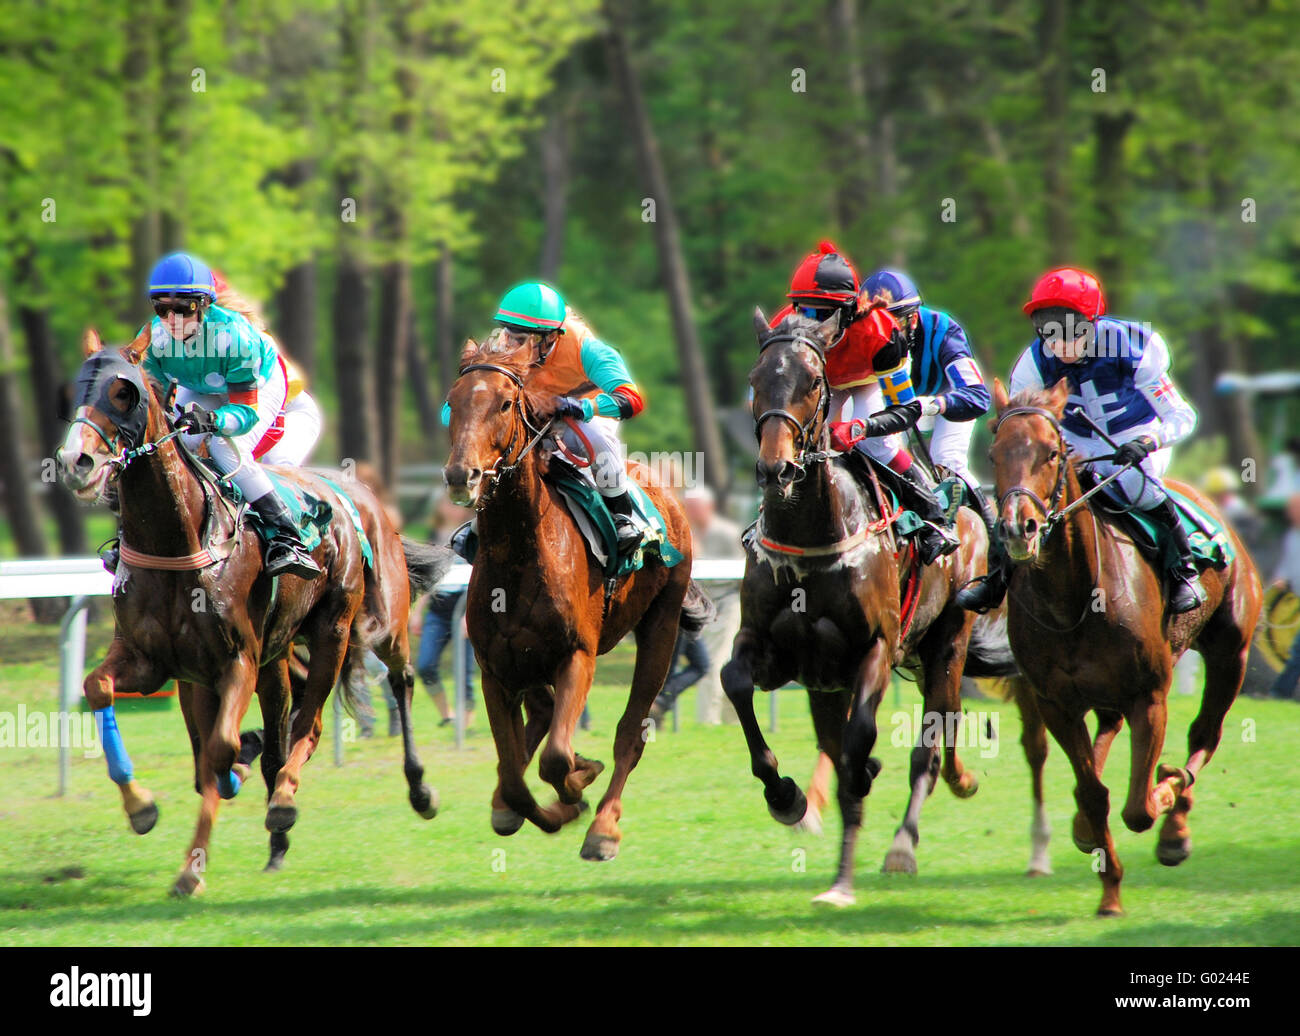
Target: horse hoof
pixel 281 818
pixel 506 821
pixel 796 804
pixel 275 863
pixel 1171 854
pixel 142 821
pixel 188 884
pixel 897 861
pixel 599 848
pixel 967 786
pixel 1110 911
pixel 1038 872
pixel 837 897
pixel 228 784
pixel 425 802
pixel 811 822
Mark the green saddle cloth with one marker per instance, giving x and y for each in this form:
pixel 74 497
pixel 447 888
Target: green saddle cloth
pixel 654 539
pixel 1211 545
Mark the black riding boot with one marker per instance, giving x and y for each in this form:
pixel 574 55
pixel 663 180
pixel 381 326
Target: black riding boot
pixel 936 539
pixel 985 592
pixel 111 552
pixel 285 554
pixel 1185 593
pixel 628 534
pixel 464 541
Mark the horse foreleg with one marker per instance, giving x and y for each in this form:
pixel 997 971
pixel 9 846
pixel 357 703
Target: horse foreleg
pixel 123 669
pixel 785 800
pixel 818 795
pixel 204 710
pixel 856 767
pixel 395 653
pixel 829 710
pixel 274 694
pixel 922 776
pixel 1147 740
pixel 1109 725
pixel 1033 740
pixel 558 765
pixel 656 636
pixel 1091 828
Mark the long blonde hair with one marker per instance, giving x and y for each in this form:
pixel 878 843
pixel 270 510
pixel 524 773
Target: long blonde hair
pixel 229 298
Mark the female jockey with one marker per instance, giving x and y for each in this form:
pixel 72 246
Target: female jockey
pixel 1118 371
pixel 235 391
pixel 944 372
pixel 870 356
pixel 570 360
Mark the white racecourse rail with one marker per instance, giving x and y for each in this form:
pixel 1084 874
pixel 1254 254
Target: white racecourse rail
pixel 80 579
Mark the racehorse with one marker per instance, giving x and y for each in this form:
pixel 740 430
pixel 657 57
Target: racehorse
pixel 820 603
pixel 538 608
pixel 191 601
pixel 1087 625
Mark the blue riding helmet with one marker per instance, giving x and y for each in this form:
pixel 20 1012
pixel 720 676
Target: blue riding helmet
pixel 182 274
pixel 895 289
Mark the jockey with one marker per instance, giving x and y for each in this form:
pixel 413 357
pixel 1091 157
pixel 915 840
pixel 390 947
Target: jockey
pixel 1118 371
pixel 235 391
pixel 591 383
pixel 869 356
pixel 944 372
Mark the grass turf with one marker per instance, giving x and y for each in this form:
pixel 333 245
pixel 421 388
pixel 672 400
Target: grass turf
pixel 701 862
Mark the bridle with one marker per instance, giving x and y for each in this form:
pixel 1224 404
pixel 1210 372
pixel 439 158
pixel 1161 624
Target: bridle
pixel 494 474
pixel 804 438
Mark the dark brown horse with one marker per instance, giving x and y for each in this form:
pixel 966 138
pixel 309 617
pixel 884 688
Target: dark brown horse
pixel 191 602
pixel 537 610
pixel 1088 627
pixel 820 604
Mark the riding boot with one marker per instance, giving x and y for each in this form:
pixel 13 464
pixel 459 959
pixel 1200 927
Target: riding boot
pixel 1185 593
pixel 111 552
pixel 987 591
pixel 285 553
pixel 464 541
pixel 936 539
pixel 620 507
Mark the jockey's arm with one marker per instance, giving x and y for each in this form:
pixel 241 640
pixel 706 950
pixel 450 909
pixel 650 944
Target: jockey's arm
pixel 967 396
pixel 618 396
pixel 1025 376
pixel 1176 415
pixel 238 416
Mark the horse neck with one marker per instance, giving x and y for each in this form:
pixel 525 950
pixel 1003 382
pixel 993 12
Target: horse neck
pixel 815 513
pixel 161 500
pixel 1070 571
pixel 513 511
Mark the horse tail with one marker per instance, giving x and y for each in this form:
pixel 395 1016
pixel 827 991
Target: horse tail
pixel 698 609
pixel 989 651
pixel 426 564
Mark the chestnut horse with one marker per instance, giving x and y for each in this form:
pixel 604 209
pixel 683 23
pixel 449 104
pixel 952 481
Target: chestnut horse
pixel 537 610
pixel 1088 627
pixel 191 602
pixel 820 604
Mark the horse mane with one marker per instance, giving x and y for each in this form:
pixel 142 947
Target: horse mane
pixel 1040 398
pixel 496 350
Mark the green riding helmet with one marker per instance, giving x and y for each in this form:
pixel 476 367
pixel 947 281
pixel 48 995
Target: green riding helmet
pixel 533 305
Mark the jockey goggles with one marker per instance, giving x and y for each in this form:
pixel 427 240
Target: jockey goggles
pixel 185 305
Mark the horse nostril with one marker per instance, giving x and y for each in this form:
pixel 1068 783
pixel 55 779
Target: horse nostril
pixel 1031 526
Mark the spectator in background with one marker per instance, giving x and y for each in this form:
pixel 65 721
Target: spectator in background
pixel 1288 574
pixel 1222 485
pixel 715 538
pixel 437 630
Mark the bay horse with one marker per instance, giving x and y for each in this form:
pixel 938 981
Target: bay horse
pixel 820 604
pixel 537 607
pixel 1088 627
pixel 191 602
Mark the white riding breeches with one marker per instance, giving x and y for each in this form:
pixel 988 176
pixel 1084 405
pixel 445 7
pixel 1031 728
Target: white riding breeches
pixel 608 469
pixel 1139 486
pixel 861 401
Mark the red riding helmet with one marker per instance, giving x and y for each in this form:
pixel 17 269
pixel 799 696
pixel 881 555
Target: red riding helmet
pixel 1069 287
pixel 825 275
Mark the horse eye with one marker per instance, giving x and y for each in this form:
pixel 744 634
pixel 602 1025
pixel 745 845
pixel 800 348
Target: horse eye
pixel 505 406
pixel 1053 455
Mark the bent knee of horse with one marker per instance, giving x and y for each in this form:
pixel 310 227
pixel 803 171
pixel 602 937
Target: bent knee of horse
pixel 736 679
pixel 554 767
pixel 1138 818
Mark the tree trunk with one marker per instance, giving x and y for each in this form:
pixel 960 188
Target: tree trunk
pixel 556 174
pixel 418 366
pixel 694 375
pixel 390 361
pixel 175 59
pixel 854 183
pixel 353 373
pixel 444 328
pixel 19 506
pixel 295 308
pixel 141 146
pixel 1054 70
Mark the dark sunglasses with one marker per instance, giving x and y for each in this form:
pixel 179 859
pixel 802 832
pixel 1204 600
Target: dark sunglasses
pixel 812 313
pixel 185 307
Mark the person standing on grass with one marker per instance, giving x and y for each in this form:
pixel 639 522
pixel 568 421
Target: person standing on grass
pixel 436 631
pixel 1288 574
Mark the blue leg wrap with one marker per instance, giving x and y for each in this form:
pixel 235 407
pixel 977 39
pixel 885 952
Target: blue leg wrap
pixel 119 763
pixel 228 784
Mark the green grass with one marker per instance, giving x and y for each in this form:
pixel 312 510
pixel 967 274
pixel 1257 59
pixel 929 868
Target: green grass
pixel 701 861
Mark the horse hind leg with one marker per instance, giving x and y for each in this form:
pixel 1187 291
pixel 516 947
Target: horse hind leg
pixel 560 766
pixel 1225 668
pixel 1033 740
pixel 274 695
pixel 828 711
pixel 424 800
pixel 922 777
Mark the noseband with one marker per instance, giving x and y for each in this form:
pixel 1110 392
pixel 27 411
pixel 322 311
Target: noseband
pixel 803 429
pixel 494 474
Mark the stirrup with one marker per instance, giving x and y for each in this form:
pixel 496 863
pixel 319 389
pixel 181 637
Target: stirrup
pixel 982 594
pixel 293 560
pixel 629 536
pixel 1185 588
pixel 935 542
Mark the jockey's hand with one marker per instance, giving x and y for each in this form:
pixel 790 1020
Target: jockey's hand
pixel 845 433
pixel 894 419
pixel 567 406
pixel 931 406
pixel 1135 451
pixel 196 419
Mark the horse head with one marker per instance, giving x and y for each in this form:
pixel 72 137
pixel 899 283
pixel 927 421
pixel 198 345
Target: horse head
pixel 112 406
pixel 1030 460
pixel 489 421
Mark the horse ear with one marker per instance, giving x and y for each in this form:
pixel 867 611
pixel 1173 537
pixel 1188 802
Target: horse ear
pixel 136 350
pixel 467 351
pixel 1000 398
pixel 829 328
pixel 760 323
pixel 90 342
pixel 1057 396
